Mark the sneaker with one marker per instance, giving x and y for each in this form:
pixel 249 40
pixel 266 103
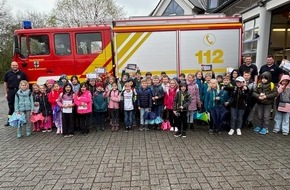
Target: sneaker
pixel 66 136
pixel 276 131
pixel 175 129
pixel 146 128
pixel 239 132
pixel 172 129
pixel 58 131
pixel 210 131
pixel 183 135
pixel 285 134
pixel 7 124
pixel 126 130
pixel 71 135
pixel 49 130
pixel 263 131
pixel 44 131
pixel 231 132
pixel 141 128
pixel 257 129
pixel 177 134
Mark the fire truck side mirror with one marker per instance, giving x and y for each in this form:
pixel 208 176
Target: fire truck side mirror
pixel 17 50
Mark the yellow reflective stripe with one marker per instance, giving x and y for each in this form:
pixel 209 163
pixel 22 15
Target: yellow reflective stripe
pixel 99 60
pixel 185 71
pixel 130 47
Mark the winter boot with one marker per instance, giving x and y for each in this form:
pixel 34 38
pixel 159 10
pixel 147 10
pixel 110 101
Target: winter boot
pixel 191 126
pixel 28 131
pixel 19 132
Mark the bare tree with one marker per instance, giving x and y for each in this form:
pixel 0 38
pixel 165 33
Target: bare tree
pixel 38 19
pixel 6 36
pixel 72 12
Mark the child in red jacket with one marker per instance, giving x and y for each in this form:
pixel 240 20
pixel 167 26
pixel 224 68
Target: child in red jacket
pixel 169 101
pixel 52 98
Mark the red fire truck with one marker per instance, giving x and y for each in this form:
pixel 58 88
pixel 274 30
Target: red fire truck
pixel 171 44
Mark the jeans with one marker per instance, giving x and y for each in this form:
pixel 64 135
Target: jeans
pixel 181 122
pixel 264 112
pixel 142 120
pixel 282 122
pixel 67 123
pixel 169 115
pixel 128 118
pixel 84 122
pixel 114 115
pixel 100 119
pixel 157 109
pixel 190 116
pixel 27 125
pixel 237 118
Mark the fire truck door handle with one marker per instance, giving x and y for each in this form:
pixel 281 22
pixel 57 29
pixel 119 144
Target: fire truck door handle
pixel 49 71
pixel 24 64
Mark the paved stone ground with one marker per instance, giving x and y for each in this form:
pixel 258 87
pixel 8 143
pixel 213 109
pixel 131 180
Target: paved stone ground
pixel 142 160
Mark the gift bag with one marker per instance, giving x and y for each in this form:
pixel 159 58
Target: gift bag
pixel 164 126
pixel 203 116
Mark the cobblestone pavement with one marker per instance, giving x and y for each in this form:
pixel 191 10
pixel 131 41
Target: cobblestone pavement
pixel 143 160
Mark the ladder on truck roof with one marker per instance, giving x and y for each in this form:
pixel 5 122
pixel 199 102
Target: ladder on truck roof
pixel 162 20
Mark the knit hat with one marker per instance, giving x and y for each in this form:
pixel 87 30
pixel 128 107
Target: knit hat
pixel 240 79
pixel 63 77
pixel 99 84
pixel 50 81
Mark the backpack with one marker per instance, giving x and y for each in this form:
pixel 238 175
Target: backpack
pixel 272 86
pixel 110 94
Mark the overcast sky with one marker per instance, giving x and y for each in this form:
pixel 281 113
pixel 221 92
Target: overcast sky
pixel 131 7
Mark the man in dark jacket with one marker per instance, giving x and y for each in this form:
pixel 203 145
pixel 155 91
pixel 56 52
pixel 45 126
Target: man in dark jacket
pixel 12 79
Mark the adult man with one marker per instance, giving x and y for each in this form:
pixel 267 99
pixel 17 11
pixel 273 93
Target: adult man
pixel 12 79
pixel 248 66
pixel 272 68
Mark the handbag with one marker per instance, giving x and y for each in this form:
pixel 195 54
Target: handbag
pixel 284 107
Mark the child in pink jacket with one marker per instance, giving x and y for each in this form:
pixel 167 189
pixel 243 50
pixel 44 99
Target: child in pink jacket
pixel 169 101
pixel 114 100
pixel 193 90
pixel 83 101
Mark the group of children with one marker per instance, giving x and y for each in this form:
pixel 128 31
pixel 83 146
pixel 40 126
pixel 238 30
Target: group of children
pixel 69 105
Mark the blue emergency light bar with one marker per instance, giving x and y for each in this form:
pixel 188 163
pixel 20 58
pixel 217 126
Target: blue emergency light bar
pixel 27 24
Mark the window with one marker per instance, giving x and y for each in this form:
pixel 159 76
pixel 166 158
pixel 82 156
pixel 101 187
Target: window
pixel 62 44
pixel 250 37
pixel 39 45
pixel 212 4
pixel 173 9
pixel 89 43
pixel 23 47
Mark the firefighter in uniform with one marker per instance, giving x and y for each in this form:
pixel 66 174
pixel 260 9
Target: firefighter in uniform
pixel 12 79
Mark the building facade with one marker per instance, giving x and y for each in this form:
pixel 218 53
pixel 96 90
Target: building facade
pixel 266 22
